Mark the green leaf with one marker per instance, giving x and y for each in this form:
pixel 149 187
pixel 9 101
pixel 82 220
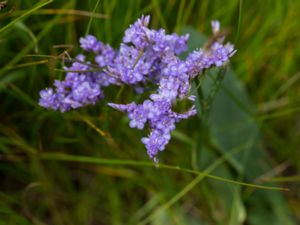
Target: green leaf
pixel 228 122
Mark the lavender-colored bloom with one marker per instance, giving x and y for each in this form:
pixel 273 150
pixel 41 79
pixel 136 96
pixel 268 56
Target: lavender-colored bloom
pixel 104 79
pixel 220 54
pixel 106 56
pixel 48 99
pixel 138 117
pixel 136 33
pixel 160 117
pixel 158 40
pixel 72 96
pixel 137 114
pixel 142 37
pixel 156 142
pixel 164 123
pixel 129 66
pixel 145 56
pixel 123 107
pixel 168 88
pixel 157 108
pixel 105 53
pixel 192 98
pixel 167 43
pixel 171 88
pixel 90 44
pixel 178 43
pixel 163 43
pixel 175 67
pixel 215 24
pixel 180 116
pixel 77 90
pixel 197 61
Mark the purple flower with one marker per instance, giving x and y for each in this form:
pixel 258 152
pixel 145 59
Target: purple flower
pixel 138 117
pixel 123 107
pixel 178 43
pixel 77 90
pixel 161 118
pixel 180 116
pixel 129 66
pixel 90 44
pixel 220 54
pixel 48 99
pixel 199 60
pixel 136 33
pixel 106 56
pixel 104 53
pixel 146 56
pixel 155 142
pixel 215 24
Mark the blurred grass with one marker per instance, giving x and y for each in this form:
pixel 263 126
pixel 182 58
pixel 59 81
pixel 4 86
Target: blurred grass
pixel 37 191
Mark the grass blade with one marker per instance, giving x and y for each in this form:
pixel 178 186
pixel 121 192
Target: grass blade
pixel 27 13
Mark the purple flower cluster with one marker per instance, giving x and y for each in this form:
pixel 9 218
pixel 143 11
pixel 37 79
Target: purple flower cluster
pixel 160 117
pixel 78 88
pixel 145 56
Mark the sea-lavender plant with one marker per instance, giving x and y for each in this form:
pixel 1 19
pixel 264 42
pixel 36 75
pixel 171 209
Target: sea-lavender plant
pixel 145 56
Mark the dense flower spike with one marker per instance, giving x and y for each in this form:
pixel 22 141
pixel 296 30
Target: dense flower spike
pixel 146 55
pixel 77 90
pixel 160 117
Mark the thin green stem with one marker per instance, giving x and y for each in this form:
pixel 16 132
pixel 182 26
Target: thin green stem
pixel 27 13
pixel 117 162
pixel 91 18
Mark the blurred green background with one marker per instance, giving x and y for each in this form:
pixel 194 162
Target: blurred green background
pixel 60 169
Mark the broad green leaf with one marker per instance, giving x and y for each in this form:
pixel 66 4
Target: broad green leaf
pixel 230 123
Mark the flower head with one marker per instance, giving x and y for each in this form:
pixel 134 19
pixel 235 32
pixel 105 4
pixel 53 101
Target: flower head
pixel 145 56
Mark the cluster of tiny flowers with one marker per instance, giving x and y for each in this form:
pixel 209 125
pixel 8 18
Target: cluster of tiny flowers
pixel 145 56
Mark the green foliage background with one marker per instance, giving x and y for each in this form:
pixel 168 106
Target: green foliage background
pixel 88 167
